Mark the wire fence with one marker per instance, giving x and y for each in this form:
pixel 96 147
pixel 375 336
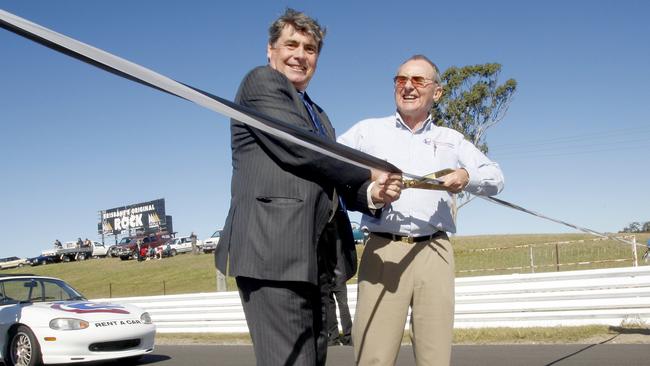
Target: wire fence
pixel 546 257
pixel 169 286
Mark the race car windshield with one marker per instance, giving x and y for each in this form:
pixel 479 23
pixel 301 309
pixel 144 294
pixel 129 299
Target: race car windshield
pixel 29 290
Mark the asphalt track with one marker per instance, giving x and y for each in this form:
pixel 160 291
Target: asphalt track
pixel 489 355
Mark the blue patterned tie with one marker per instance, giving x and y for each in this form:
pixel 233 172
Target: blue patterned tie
pixel 318 126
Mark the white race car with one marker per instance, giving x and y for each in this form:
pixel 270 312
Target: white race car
pixel 43 320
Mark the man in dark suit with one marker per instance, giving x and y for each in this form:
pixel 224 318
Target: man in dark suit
pixel 284 203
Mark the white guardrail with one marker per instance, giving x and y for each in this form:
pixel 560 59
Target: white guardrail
pixel 604 296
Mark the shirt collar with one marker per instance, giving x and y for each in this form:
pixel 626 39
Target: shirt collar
pixel 427 125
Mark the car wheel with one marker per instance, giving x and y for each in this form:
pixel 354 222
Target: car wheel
pixel 20 265
pixel 81 257
pixel 173 252
pixel 24 349
pixel 66 259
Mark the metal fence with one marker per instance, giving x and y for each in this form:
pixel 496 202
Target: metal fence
pixel 547 257
pixel 614 296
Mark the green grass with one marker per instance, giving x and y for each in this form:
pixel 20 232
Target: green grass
pixel 530 335
pixel 112 277
pixel 535 335
pixel 515 257
pixel 186 273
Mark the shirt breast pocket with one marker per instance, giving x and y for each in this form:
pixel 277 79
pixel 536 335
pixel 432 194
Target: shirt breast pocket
pixel 440 149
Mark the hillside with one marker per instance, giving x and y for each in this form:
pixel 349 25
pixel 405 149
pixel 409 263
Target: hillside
pixel 475 255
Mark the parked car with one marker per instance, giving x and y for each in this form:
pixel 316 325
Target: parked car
pixel 182 244
pixel 210 244
pixel 44 320
pixel 128 251
pixel 46 257
pixel 12 262
pixel 71 250
pixel 113 249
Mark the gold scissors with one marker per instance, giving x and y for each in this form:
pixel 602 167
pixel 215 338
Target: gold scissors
pixel 429 181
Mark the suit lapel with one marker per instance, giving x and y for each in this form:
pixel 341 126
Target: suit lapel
pixel 297 101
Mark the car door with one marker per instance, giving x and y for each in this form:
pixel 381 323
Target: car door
pixel 99 250
pixel 186 244
pixel 9 315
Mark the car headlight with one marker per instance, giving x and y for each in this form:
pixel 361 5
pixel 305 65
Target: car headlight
pixel 68 324
pixel 145 318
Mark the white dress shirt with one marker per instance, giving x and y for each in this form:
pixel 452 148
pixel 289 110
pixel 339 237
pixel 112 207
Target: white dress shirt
pixel 421 212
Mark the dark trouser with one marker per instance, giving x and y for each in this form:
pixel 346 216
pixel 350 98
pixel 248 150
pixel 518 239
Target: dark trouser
pixel 340 291
pixel 285 320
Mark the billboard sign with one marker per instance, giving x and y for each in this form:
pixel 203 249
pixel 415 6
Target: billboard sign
pixel 139 217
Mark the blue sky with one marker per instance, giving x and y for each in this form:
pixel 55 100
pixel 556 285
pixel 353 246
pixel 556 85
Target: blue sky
pixel 76 140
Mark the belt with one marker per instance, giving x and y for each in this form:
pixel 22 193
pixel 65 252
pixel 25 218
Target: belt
pixel 410 239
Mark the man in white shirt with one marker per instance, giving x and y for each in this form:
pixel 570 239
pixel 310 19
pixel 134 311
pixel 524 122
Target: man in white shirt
pixel 408 260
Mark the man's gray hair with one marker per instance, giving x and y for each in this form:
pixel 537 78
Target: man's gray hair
pixel 437 79
pixel 301 23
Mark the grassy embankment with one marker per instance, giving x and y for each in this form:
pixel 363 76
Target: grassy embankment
pixel 112 277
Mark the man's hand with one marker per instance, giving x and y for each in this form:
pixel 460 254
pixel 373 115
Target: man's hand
pixel 386 188
pixel 375 174
pixel 456 181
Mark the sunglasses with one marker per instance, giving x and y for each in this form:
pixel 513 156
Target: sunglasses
pixel 416 81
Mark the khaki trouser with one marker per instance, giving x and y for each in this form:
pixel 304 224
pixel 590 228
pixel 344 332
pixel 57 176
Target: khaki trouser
pixel 394 276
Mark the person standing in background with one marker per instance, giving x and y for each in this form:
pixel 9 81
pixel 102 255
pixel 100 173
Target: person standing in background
pixel 195 249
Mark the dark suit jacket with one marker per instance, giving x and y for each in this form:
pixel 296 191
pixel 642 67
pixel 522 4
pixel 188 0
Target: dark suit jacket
pixel 281 193
pixel 337 250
